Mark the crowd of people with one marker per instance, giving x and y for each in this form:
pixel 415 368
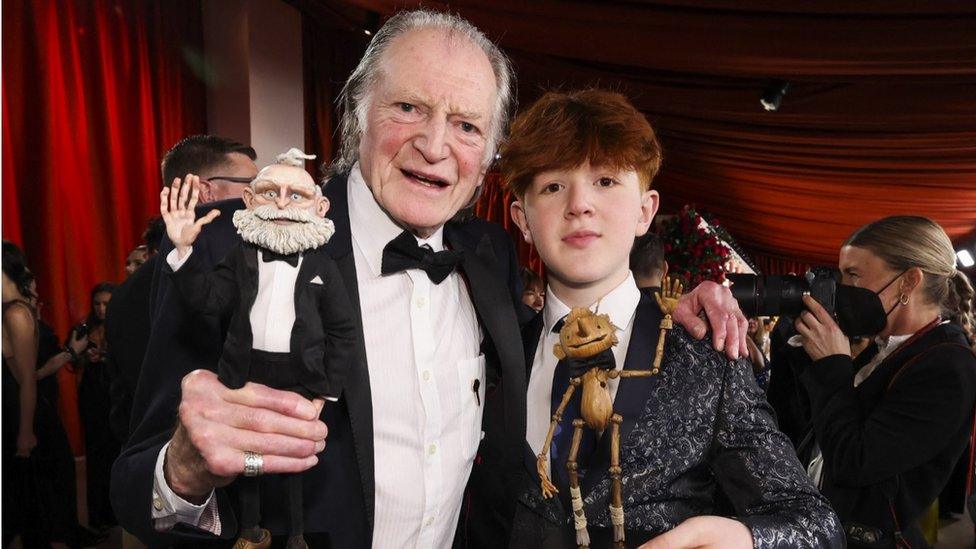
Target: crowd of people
pixel 451 427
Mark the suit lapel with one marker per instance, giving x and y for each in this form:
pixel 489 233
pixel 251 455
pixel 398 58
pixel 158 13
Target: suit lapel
pixel 356 392
pixel 250 281
pixel 531 333
pixel 493 303
pixel 632 393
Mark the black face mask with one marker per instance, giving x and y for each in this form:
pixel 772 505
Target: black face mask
pixel 860 312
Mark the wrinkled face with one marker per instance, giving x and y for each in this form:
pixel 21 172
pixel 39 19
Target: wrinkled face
pixel 135 260
pixel 586 334
pixel 100 304
pixel 583 222
pixel 285 187
pixel 227 180
pixel 423 149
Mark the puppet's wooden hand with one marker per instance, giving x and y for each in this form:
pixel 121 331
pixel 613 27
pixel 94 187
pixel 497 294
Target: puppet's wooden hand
pixel 177 204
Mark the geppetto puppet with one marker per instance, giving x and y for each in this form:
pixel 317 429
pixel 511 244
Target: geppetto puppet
pixel 585 342
pixel 291 324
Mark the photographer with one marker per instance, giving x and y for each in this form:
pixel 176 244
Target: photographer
pixel 891 423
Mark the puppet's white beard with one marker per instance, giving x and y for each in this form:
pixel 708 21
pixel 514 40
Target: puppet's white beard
pixel 257 227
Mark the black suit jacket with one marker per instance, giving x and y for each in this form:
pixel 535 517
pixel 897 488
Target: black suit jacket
pixel 901 441
pixel 695 439
pixel 322 339
pixel 127 333
pixel 339 490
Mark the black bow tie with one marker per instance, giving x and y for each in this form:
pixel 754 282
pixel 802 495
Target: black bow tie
pixel 403 253
pixel 268 256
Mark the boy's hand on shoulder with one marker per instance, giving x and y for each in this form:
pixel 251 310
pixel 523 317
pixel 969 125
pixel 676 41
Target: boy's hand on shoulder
pixel 725 319
pixel 704 532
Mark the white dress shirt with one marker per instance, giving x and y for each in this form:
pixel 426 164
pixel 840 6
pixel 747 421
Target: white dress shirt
pixel 621 304
pixel 422 347
pixel 427 380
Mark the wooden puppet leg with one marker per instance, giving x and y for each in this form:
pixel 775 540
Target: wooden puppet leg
pixel 617 500
pixel 542 460
pixel 579 517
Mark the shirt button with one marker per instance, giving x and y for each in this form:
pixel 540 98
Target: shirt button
pixel 426 375
pixel 157 504
pixel 432 449
pixel 429 521
pixel 421 302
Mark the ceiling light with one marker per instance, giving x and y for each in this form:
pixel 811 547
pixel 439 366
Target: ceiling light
pixel 965 258
pixel 772 96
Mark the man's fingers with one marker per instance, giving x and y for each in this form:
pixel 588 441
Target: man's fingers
pixel 174 194
pixel 194 192
pixel 743 332
pixel 185 191
pixel 261 421
pixel 319 404
pixel 211 215
pixel 229 462
pixel 283 402
pixel 164 202
pixel 718 320
pixel 732 339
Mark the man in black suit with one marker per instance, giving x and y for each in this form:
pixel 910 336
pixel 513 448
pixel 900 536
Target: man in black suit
pixel 432 418
pixel 223 166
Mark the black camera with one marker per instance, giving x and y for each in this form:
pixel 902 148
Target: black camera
pixel 81 330
pixel 774 295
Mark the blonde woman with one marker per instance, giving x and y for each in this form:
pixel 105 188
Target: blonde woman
pixel 892 423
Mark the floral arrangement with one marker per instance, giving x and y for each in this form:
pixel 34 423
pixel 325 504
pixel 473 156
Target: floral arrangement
pixel 693 252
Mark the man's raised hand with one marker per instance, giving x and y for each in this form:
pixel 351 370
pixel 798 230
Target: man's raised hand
pixel 177 204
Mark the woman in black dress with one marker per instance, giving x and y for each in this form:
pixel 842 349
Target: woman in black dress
pixel 19 394
pixel 101 447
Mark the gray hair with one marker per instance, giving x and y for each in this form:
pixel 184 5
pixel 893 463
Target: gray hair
pixel 356 93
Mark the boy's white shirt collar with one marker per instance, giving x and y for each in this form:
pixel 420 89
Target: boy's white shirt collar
pixel 620 303
pixel 376 229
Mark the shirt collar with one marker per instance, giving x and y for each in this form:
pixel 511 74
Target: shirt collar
pixel 372 228
pixel 620 304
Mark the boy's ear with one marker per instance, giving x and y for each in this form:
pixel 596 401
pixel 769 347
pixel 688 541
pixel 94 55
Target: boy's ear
pixel 518 216
pixel 650 200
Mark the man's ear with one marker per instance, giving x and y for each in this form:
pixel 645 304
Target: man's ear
pixel 650 200
pixel 206 191
pixel 248 197
pixel 518 216
pixel 322 205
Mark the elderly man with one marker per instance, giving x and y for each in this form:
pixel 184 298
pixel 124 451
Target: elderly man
pixel 433 413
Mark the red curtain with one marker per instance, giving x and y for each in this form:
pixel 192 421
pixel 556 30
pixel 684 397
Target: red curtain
pixel 93 92
pixel 879 120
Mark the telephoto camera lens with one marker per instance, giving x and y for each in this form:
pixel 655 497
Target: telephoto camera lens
pixel 776 295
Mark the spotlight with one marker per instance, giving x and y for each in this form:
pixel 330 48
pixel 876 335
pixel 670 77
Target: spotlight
pixel 965 258
pixel 372 23
pixel 772 96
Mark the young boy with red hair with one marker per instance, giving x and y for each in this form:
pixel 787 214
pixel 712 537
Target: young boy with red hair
pixel 698 438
